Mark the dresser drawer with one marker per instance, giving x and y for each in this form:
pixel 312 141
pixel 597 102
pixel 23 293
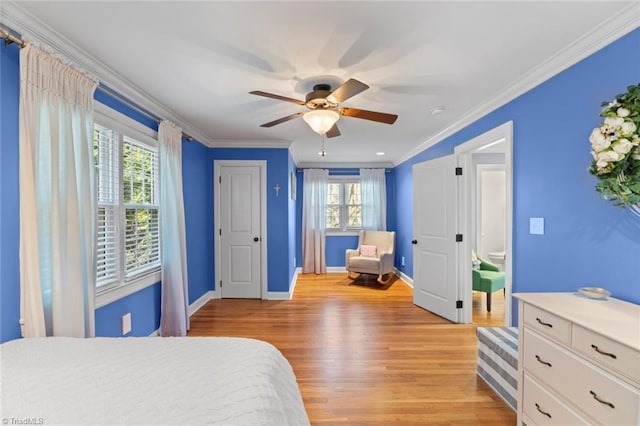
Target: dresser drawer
pixel 543 408
pixel 597 393
pixel 547 324
pixel 602 350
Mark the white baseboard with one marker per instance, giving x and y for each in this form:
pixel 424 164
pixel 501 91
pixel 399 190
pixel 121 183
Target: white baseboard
pixel 285 295
pixel 278 295
pixel 403 277
pixel 193 308
pixel 332 269
pixel 200 302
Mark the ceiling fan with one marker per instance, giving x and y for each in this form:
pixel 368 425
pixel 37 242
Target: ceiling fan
pixel 324 107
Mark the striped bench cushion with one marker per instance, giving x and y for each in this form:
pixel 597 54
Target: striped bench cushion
pixel 498 361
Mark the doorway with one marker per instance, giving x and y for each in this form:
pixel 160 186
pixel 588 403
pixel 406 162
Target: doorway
pixel 486 216
pixel 240 229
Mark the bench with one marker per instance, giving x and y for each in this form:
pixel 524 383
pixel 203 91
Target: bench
pixel 498 361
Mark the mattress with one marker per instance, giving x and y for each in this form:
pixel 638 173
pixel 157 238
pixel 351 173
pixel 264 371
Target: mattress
pixel 188 380
pixel 498 361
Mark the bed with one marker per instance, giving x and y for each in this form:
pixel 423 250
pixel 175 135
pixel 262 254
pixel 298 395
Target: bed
pixel 188 380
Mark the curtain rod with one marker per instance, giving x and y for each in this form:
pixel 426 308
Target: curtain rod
pixel 109 91
pixel 10 39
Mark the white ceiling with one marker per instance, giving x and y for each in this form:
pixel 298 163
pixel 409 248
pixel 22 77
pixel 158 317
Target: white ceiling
pixel 199 60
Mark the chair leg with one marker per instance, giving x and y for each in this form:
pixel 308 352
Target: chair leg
pixel 356 277
pixel 488 301
pixel 381 281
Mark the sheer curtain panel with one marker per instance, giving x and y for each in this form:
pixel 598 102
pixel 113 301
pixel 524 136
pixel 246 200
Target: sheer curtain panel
pixel 57 201
pixel 174 313
pixel 314 221
pixel 373 192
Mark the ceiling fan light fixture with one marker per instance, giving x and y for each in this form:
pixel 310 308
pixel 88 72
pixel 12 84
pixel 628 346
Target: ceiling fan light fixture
pixel 321 120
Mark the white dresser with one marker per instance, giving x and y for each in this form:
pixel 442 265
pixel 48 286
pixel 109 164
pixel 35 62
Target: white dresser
pixel 578 360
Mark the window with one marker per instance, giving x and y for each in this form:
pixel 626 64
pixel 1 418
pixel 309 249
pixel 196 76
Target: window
pixel 344 211
pixel 128 231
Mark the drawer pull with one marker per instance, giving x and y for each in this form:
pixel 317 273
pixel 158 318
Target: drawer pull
pixel 543 362
pixel 595 348
pixel 546 324
pixel 542 411
pixel 600 400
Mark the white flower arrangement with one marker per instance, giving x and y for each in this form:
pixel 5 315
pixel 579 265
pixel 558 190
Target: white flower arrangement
pixel 615 147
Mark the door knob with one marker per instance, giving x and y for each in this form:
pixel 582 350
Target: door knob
pixel 256 239
pixel 414 241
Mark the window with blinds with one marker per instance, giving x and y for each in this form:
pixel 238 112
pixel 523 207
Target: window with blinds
pixel 128 229
pixel 141 206
pixel 344 207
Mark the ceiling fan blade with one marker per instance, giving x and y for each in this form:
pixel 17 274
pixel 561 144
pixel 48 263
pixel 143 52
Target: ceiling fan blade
pixel 380 117
pixel 278 97
pixel 282 120
pixel 348 89
pixel 333 132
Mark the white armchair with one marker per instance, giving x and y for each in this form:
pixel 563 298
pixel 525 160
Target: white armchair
pixel 374 255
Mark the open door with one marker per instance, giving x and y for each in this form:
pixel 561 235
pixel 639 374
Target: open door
pixel 435 283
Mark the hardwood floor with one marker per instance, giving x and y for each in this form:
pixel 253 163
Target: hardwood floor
pixel 363 354
pixel 481 317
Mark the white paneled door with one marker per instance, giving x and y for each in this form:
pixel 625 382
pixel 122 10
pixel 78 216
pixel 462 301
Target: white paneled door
pixel 239 231
pixel 435 284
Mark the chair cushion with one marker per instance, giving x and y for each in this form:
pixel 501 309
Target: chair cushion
pixel 367 265
pixel 487 281
pixel 368 251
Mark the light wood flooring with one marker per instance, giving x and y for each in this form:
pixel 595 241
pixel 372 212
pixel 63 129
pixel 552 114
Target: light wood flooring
pixel 363 354
pixel 481 317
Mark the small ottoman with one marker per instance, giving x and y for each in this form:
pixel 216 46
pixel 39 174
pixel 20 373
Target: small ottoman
pixel 498 361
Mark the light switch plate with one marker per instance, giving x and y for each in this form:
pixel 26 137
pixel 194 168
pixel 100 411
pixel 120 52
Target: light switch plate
pixel 536 225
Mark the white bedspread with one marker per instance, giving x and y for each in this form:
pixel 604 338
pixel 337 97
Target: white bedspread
pixel 190 380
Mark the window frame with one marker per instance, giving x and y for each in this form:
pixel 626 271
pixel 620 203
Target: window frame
pixel 126 285
pixel 344 207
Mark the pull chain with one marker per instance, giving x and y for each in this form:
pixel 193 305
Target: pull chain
pixel 323 153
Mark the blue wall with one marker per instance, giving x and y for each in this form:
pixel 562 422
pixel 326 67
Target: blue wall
pixel 587 240
pixel 336 245
pixel 197 183
pixel 9 198
pixel 144 305
pixel 278 256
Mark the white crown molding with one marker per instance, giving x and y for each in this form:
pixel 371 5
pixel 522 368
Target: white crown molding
pixel 627 20
pixel 325 165
pixel 32 28
pixel 250 143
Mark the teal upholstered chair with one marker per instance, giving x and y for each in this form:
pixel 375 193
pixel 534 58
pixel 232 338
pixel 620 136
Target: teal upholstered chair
pixel 487 278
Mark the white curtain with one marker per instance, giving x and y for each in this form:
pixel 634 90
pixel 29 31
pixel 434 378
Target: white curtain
pixel 373 192
pixel 174 313
pixel 314 220
pixel 57 202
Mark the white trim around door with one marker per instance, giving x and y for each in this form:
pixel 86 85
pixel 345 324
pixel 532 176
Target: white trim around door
pixel 501 134
pixel 262 165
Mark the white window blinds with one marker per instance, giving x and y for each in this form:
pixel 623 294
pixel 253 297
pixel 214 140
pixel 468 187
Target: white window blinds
pixel 106 158
pixel 128 240
pixel 141 204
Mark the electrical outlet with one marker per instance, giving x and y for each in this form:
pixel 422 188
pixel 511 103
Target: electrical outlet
pixel 402 260
pixel 126 324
